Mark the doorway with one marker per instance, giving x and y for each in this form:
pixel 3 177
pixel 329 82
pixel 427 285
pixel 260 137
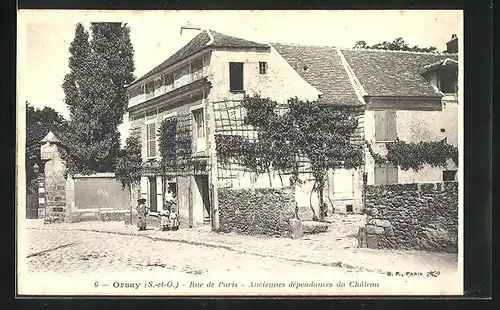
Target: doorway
pixel 152 194
pixel 202 184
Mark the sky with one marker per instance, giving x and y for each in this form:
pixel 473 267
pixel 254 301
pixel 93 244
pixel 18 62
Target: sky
pixel 44 37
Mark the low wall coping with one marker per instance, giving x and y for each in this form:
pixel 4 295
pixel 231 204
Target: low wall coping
pixel 257 188
pixel 95 175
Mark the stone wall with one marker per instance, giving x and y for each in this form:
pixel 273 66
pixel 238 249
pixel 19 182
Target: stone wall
pixel 257 211
pixel 411 216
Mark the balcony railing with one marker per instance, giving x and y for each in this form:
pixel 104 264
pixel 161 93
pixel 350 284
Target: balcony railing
pixel 163 89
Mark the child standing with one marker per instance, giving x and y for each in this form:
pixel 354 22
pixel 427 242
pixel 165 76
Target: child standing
pixel 165 218
pixel 174 219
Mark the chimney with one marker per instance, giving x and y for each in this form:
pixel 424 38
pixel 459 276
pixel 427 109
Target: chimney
pixel 452 45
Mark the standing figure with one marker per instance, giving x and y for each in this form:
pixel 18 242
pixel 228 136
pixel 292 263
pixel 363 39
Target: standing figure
pixel 165 213
pixel 174 218
pixel 142 212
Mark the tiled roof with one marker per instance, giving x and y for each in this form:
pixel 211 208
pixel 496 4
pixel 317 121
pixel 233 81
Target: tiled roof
pixel 322 67
pixel 200 42
pixel 222 40
pixel 393 73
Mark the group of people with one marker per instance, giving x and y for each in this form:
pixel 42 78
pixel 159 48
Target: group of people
pixel 169 218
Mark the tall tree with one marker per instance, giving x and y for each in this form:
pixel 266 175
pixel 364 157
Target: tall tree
pixel 38 123
pixel 397 44
pixel 112 42
pixel 96 96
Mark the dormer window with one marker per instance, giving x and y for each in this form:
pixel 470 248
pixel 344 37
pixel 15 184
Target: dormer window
pixel 447 80
pixel 443 75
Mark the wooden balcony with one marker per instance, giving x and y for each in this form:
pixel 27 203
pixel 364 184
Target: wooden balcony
pixel 163 89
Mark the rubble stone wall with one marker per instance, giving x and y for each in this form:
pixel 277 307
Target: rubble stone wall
pixel 257 211
pixel 411 216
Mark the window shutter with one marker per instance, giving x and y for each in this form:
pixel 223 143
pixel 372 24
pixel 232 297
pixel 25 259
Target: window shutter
pixel 380 175
pixel 392 174
pixel 380 125
pixel 151 137
pixel 391 126
pixel 236 76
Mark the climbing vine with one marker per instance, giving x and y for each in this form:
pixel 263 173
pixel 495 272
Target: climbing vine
pixel 287 135
pixel 168 144
pixel 411 155
pixel 176 149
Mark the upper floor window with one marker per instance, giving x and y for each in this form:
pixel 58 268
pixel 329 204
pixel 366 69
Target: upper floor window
pixel 168 79
pixel 449 175
pixel 262 67
pixel 199 130
pixel 151 140
pixel 236 76
pixel 385 126
pixel 197 69
pixel 386 174
pixel 448 80
pixel 150 87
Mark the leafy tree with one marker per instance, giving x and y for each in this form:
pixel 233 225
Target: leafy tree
pixel 38 123
pixel 96 96
pixel 397 44
pixel 128 166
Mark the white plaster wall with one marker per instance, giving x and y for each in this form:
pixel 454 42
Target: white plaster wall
pixel 280 83
pixel 416 126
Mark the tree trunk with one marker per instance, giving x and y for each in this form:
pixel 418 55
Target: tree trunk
pixel 315 218
pixel 131 203
pixel 322 207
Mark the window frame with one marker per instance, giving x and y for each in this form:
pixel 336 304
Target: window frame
pixel 231 89
pixel 454 175
pixel 263 67
pixel 198 146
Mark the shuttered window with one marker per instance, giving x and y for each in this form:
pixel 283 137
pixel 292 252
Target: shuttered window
pixel 385 126
pixel 151 140
pixel 386 174
pixel 235 76
pixel 199 129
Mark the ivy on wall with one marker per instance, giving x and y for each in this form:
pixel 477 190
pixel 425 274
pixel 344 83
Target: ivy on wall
pixel 176 148
pixel 168 144
pixel 411 155
pixel 286 136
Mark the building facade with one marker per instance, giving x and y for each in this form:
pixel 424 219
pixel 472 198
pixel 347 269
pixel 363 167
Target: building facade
pixel 399 94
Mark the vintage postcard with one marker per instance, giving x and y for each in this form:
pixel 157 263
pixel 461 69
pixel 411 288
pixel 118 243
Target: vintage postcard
pixel 241 153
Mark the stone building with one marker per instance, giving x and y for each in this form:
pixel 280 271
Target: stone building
pixel 400 94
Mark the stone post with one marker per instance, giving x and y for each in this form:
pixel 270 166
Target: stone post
pixel 41 195
pixel 296 231
pixel 54 180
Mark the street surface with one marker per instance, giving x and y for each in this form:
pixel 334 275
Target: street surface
pixel 66 251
